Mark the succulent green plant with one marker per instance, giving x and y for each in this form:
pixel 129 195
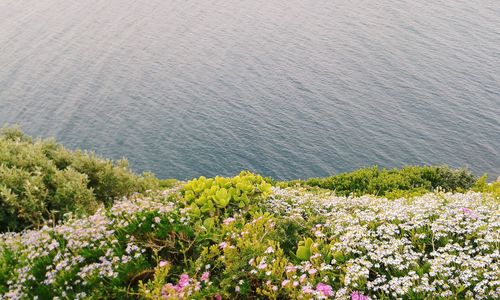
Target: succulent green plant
pixel 220 194
pixel 304 251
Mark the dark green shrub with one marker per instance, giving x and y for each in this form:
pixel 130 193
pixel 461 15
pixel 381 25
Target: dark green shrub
pixel 384 182
pixel 41 180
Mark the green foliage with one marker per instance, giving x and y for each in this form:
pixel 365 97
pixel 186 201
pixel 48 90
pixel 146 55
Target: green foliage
pixel 410 180
pixel 219 195
pixel 304 249
pixel 483 186
pixel 165 183
pixel 237 237
pixel 232 261
pixel 152 289
pixel 40 181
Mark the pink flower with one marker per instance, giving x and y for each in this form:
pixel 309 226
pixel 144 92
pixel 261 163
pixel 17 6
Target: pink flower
pixel 291 269
pixel 324 289
pixel 223 245
pixel 228 221
pixel 312 271
pixel 163 264
pixel 270 250
pixel 285 282
pixel 218 297
pixel 169 290
pixel 358 296
pixel 307 289
pixel 204 276
pixel 183 281
pixel 262 265
pixel 466 210
pixel 469 212
pixel 166 289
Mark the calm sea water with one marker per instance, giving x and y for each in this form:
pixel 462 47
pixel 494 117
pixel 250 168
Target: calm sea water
pixel 287 88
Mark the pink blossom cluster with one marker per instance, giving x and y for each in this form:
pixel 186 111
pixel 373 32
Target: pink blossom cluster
pixel 171 291
pixel 358 296
pixel 184 287
pixel 469 212
pixel 324 289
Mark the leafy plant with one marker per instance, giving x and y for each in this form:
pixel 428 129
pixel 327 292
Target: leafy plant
pixel 218 196
pixel 304 251
pixel 410 180
pixel 40 181
pixel 492 188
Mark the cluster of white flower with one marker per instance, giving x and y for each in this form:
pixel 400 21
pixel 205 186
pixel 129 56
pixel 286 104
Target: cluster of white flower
pixel 61 244
pixel 430 244
pixel 435 245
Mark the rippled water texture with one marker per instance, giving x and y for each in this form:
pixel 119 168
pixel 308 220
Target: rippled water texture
pixel 287 88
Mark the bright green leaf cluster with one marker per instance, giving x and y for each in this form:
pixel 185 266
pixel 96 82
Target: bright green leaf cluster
pixel 211 195
pixel 304 249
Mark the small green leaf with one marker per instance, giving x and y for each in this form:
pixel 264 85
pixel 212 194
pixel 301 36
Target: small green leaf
pixel 245 199
pixel 209 223
pixel 194 210
pixel 189 195
pixel 208 206
pixel 303 253
pixel 201 200
pixel 222 198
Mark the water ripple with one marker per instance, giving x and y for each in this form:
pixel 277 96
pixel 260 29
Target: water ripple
pixel 294 88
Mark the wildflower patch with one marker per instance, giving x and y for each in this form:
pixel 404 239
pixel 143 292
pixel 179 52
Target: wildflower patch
pixel 228 238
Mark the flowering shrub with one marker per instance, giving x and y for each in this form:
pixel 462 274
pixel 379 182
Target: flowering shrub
pixel 40 181
pixel 95 256
pixel 292 243
pixel 436 245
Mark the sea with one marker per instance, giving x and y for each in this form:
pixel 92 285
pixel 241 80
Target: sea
pixel 285 88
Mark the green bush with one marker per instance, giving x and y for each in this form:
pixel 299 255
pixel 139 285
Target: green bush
pixel 410 180
pixel 40 181
pixel 483 186
pixel 214 196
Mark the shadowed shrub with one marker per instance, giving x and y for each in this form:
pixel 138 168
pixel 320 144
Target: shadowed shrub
pixel 410 180
pixel 41 180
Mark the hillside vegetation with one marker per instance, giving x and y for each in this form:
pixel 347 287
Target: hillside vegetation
pixel 241 238
pixel 393 183
pixel 41 180
pixel 434 235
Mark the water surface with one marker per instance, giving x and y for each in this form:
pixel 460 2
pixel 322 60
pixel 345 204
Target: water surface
pixel 287 88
